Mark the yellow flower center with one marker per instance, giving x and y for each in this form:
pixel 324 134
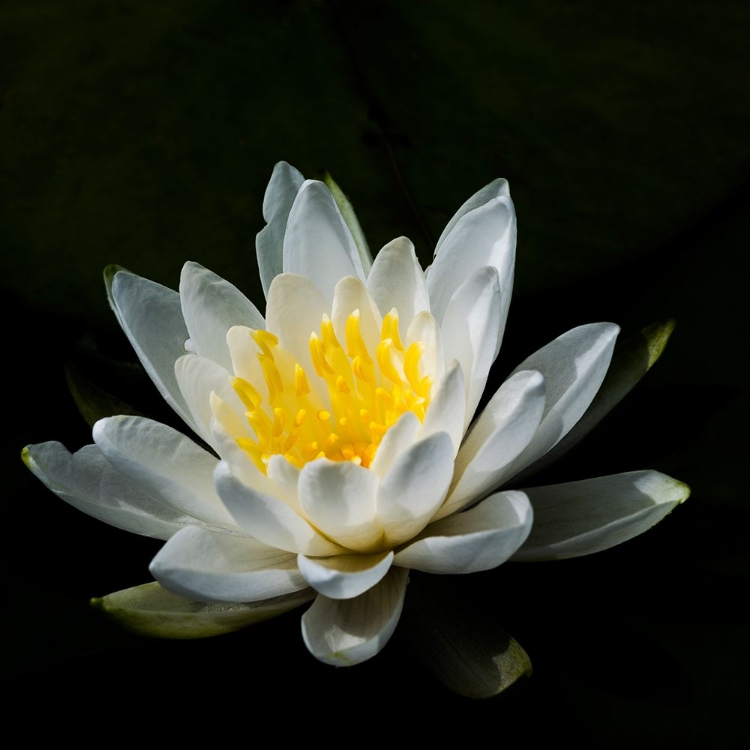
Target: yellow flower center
pixel 343 411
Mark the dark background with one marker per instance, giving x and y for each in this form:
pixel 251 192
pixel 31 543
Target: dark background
pixel 144 134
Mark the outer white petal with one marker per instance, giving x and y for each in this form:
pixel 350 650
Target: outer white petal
pixel 500 434
pixel 211 567
pixel 485 235
pixel 475 540
pixel 345 576
pixel 139 304
pixel 269 519
pixel 339 499
pixel 295 309
pixel 318 243
pixel 89 483
pixel 277 203
pixel 396 280
pixel 447 409
pixel 496 189
pixel 350 631
pixel 470 330
pixel 414 488
pixel 211 306
pixel 573 366
pixel 164 463
pixel 199 378
pixel 396 441
pixel 579 518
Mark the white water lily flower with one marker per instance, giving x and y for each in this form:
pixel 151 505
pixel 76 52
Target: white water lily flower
pixel 343 444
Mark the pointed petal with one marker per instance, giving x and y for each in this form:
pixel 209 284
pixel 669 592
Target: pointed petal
pixel 295 309
pixel 152 610
pixel 573 366
pixel 317 243
pixel 477 539
pixel 212 567
pixel 339 499
pixel 396 441
pixel 88 482
pixel 350 631
pixel 631 360
pixel 396 280
pixel 280 194
pixel 470 330
pixel 485 235
pixel 268 519
pixel 139 302
pixel 211 306
pixel 500 434
pixel 414 488
pixel 498 188
pixel 580 518
pixel 164 463
pixel 446 412
pixel 345 576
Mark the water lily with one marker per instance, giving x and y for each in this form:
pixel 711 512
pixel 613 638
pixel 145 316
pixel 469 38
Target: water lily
pixel 338 445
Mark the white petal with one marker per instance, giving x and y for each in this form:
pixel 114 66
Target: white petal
pixel 573 366
pixel 89 483
pixel 339 499
pixel 414 488
pixel 285 478
pixel 447 409
pixel 579 518
pixel 502 431
pixel 226 427
pixel 199 378
pixel 295 309
pixel 470 330
pixel 475 540
pixel 485 235
pixel 424 328
pixel 211 306
pixel 396 441
pixel 350 295
pixel 317 243
pixel 496 189
pixel 269 519
pixel 243 352
pixel 396 280
pixel 212 567
pixel 277 203
pixel 164 463
pixel 345 576
pixel 350 631
pixel 139 304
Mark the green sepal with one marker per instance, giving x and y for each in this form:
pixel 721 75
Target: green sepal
pixel 93 402
pixel 459 640
pixel 151 610
pixel 347 211
pixel 631 360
